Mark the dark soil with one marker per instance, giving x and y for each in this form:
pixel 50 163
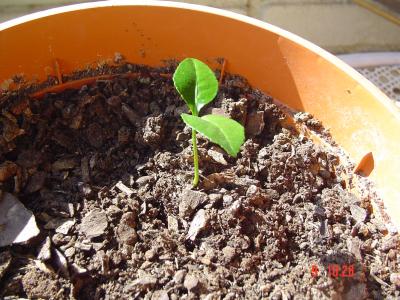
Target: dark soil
pixel 107 172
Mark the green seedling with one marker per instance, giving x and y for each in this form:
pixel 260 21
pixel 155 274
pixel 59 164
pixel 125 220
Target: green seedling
pixel 197 85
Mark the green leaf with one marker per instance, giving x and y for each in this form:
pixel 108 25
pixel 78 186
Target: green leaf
pixel 196 83
pixel 223 131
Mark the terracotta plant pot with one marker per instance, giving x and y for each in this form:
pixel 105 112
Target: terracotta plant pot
pixel 291 69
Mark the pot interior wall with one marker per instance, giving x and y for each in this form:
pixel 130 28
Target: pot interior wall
pixel 360 118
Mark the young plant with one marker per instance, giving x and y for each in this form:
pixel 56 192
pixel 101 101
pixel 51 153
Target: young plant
pixel 197 85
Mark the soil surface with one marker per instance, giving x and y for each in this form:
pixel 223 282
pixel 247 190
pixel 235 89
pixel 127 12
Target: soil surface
pixel 107 172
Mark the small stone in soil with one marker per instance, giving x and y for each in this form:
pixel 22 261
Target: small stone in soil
pixel 358 213
pixel 95 135
pixel 126 229
pixel 65 226
pixel 142 181
pixel 61 262
pixel 150 254
pixel 395 279
pixel 255 123
pixel 94 223
pixel 191 282
pixel 219 111
pixel 179 276
pixel 45 250
pixel 160 295
pixel 123 188
pixel 69 252
pixel 64 164
pixel 173 224
pixel 229 253
pixel 142 283
pixel 36 182
pixel 390 242
pixel 153 131
pixel 217 157
pixel 123 135
pixel 354 246
pixel 130 114
pixel 198 223
pixel 76 269
pixel 18 224
pixel 189 201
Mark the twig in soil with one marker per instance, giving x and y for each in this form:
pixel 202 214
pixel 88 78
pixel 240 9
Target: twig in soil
pixel 221 76
pixel 58 71
pixel 77 84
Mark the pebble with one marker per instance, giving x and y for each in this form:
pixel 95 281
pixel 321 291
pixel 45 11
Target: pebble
pixel 150 254
pixel 392 254
pixel 36 182
pixel 212 296
pixel 390 242
pixel 83 246
pixel 395 279
pixel 144 282
pixel 130 114
pixel 363 230
pixel 126 229
pixel 189 201
pixel 229 253
pixel 303 245
pixel 215 198
pixel 358 213
pixel 78 269
pixel 266 288
pixel 227 200
pixel 173 224
pixel 114 101
pixel 198 223
pixel 94 223
pixel 230 296
pixel 219 111
pixel 191 282
pixel 354 245
pixel 113 211
pixel 255 123
pixel 69 252
pixel 142 181
pixel 123 188
pixel 59 239
pixel 18 224
pixel 64 164
pixel 61 262
pixel 179 276
pixel 235 208
pixel 379 225
pixel 337 230
pixel 45 250
pixel 65 227
pixel 217 157
pixel 160 295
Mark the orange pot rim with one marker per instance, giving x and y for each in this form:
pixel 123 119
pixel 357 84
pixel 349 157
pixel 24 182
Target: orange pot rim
pixel 379 95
